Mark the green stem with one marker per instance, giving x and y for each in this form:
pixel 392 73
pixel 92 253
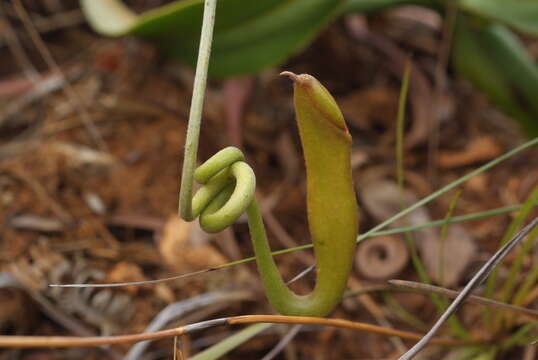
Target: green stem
pixel 197 106
pixel 318 303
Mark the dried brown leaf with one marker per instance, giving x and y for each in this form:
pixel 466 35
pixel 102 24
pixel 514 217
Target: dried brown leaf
pixel 483 148
pixel 179 251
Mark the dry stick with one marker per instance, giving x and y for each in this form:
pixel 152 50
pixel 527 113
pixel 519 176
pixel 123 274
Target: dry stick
pixel 74 341
pixel 51 63
pixel 279 319
pixel 425 288
pixel 478 279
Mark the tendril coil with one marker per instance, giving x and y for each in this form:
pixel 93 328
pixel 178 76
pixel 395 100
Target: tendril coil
pixel 228 189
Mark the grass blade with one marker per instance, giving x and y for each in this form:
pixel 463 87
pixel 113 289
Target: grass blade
pixel 509 285
pixel 225 346
pixel 477 279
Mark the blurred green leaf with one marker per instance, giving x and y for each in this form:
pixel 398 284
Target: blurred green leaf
pixel 494 60
pixel 249 35
pixel 521 14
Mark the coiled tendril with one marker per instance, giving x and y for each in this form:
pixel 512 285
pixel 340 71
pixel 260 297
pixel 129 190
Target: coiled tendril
pixel 228 189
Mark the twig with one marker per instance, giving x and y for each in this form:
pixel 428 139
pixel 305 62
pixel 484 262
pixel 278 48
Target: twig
pixel 425 288
pixel 73 341
pixel 479 277
pixel 51 63
pixel 341 323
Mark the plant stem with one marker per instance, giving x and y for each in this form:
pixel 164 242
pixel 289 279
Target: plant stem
pixel 195 116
